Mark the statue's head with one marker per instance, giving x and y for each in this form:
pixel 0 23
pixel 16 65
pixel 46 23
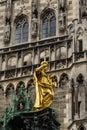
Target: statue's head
pixel 44 63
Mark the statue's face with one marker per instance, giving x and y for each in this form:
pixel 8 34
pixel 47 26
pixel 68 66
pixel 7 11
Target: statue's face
pixel 45 68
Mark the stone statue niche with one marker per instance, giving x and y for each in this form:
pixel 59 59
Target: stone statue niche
pixel 8 10
pixel 7 31
pixel 34 20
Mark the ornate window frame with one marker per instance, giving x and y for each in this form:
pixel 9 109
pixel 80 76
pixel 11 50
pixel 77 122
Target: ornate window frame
pixel 21 23
pixel 48 23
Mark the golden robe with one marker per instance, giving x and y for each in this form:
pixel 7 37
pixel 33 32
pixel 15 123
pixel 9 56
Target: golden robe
pixel 44 89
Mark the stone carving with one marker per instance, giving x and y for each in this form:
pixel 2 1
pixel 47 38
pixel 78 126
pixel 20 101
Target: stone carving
pixel 60 65
pixel 79 33
pixel 34 25
pixel 62 21
pixel 10 74
pixel 34 18
pixel 62 16
pixel 62 5
pixel 7 33
pixel 8 10
pixel 71 31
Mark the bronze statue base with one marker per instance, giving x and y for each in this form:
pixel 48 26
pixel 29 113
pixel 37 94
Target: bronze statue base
pixel 34 120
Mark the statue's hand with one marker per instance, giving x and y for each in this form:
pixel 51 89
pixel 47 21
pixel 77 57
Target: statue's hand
pixel 54 84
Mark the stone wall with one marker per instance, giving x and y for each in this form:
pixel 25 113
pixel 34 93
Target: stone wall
pixel 66 53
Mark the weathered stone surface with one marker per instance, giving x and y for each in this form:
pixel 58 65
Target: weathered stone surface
pixel 66 53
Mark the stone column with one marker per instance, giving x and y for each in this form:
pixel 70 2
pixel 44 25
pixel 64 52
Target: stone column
pixel 76 100
pixel 70 96
pixel 4 98
pixel 6 61
pixel 49 58
pixel 75 22
pixel 85 96
pixel 75 9
pixel 17 60
pixel 1 62
pixel 22 59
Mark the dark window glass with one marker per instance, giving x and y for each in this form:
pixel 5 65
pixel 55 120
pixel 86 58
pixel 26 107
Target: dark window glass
pixel 25 32
pixel 52 27
pixel 49 25
pixel 21 31
pixel 80 46
pixel 18 34
pixel 45 29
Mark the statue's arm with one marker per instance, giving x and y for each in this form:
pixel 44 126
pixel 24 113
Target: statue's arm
pixel 37 74
pixel 52 82
pixel 39 69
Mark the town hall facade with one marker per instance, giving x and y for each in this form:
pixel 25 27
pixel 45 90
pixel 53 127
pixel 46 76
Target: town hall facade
pixel 57 29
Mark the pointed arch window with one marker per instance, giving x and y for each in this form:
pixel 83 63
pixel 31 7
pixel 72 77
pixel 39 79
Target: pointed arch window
pixel 21 30
pixel 48 25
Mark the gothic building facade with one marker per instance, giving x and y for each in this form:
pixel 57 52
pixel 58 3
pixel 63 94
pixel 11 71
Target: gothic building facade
pixel 28 29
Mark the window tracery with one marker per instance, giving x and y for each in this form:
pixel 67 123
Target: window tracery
pixel 19 85
pixel 63 80
pixel 12 62
pixel 61 52
pixel 42 54
pixel 48 25
pixel 21 29
pixel 27 59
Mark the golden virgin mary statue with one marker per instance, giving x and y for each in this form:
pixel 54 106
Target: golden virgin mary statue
pixel 44 86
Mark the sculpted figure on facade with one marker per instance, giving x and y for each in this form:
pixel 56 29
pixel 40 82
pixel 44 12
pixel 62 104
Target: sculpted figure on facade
pixel 8 9
pixel 7 33
pixel 44 87
pixel 34 25
pixel 34 18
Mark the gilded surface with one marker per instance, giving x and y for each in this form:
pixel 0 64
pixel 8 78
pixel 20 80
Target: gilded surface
pixel 44 87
